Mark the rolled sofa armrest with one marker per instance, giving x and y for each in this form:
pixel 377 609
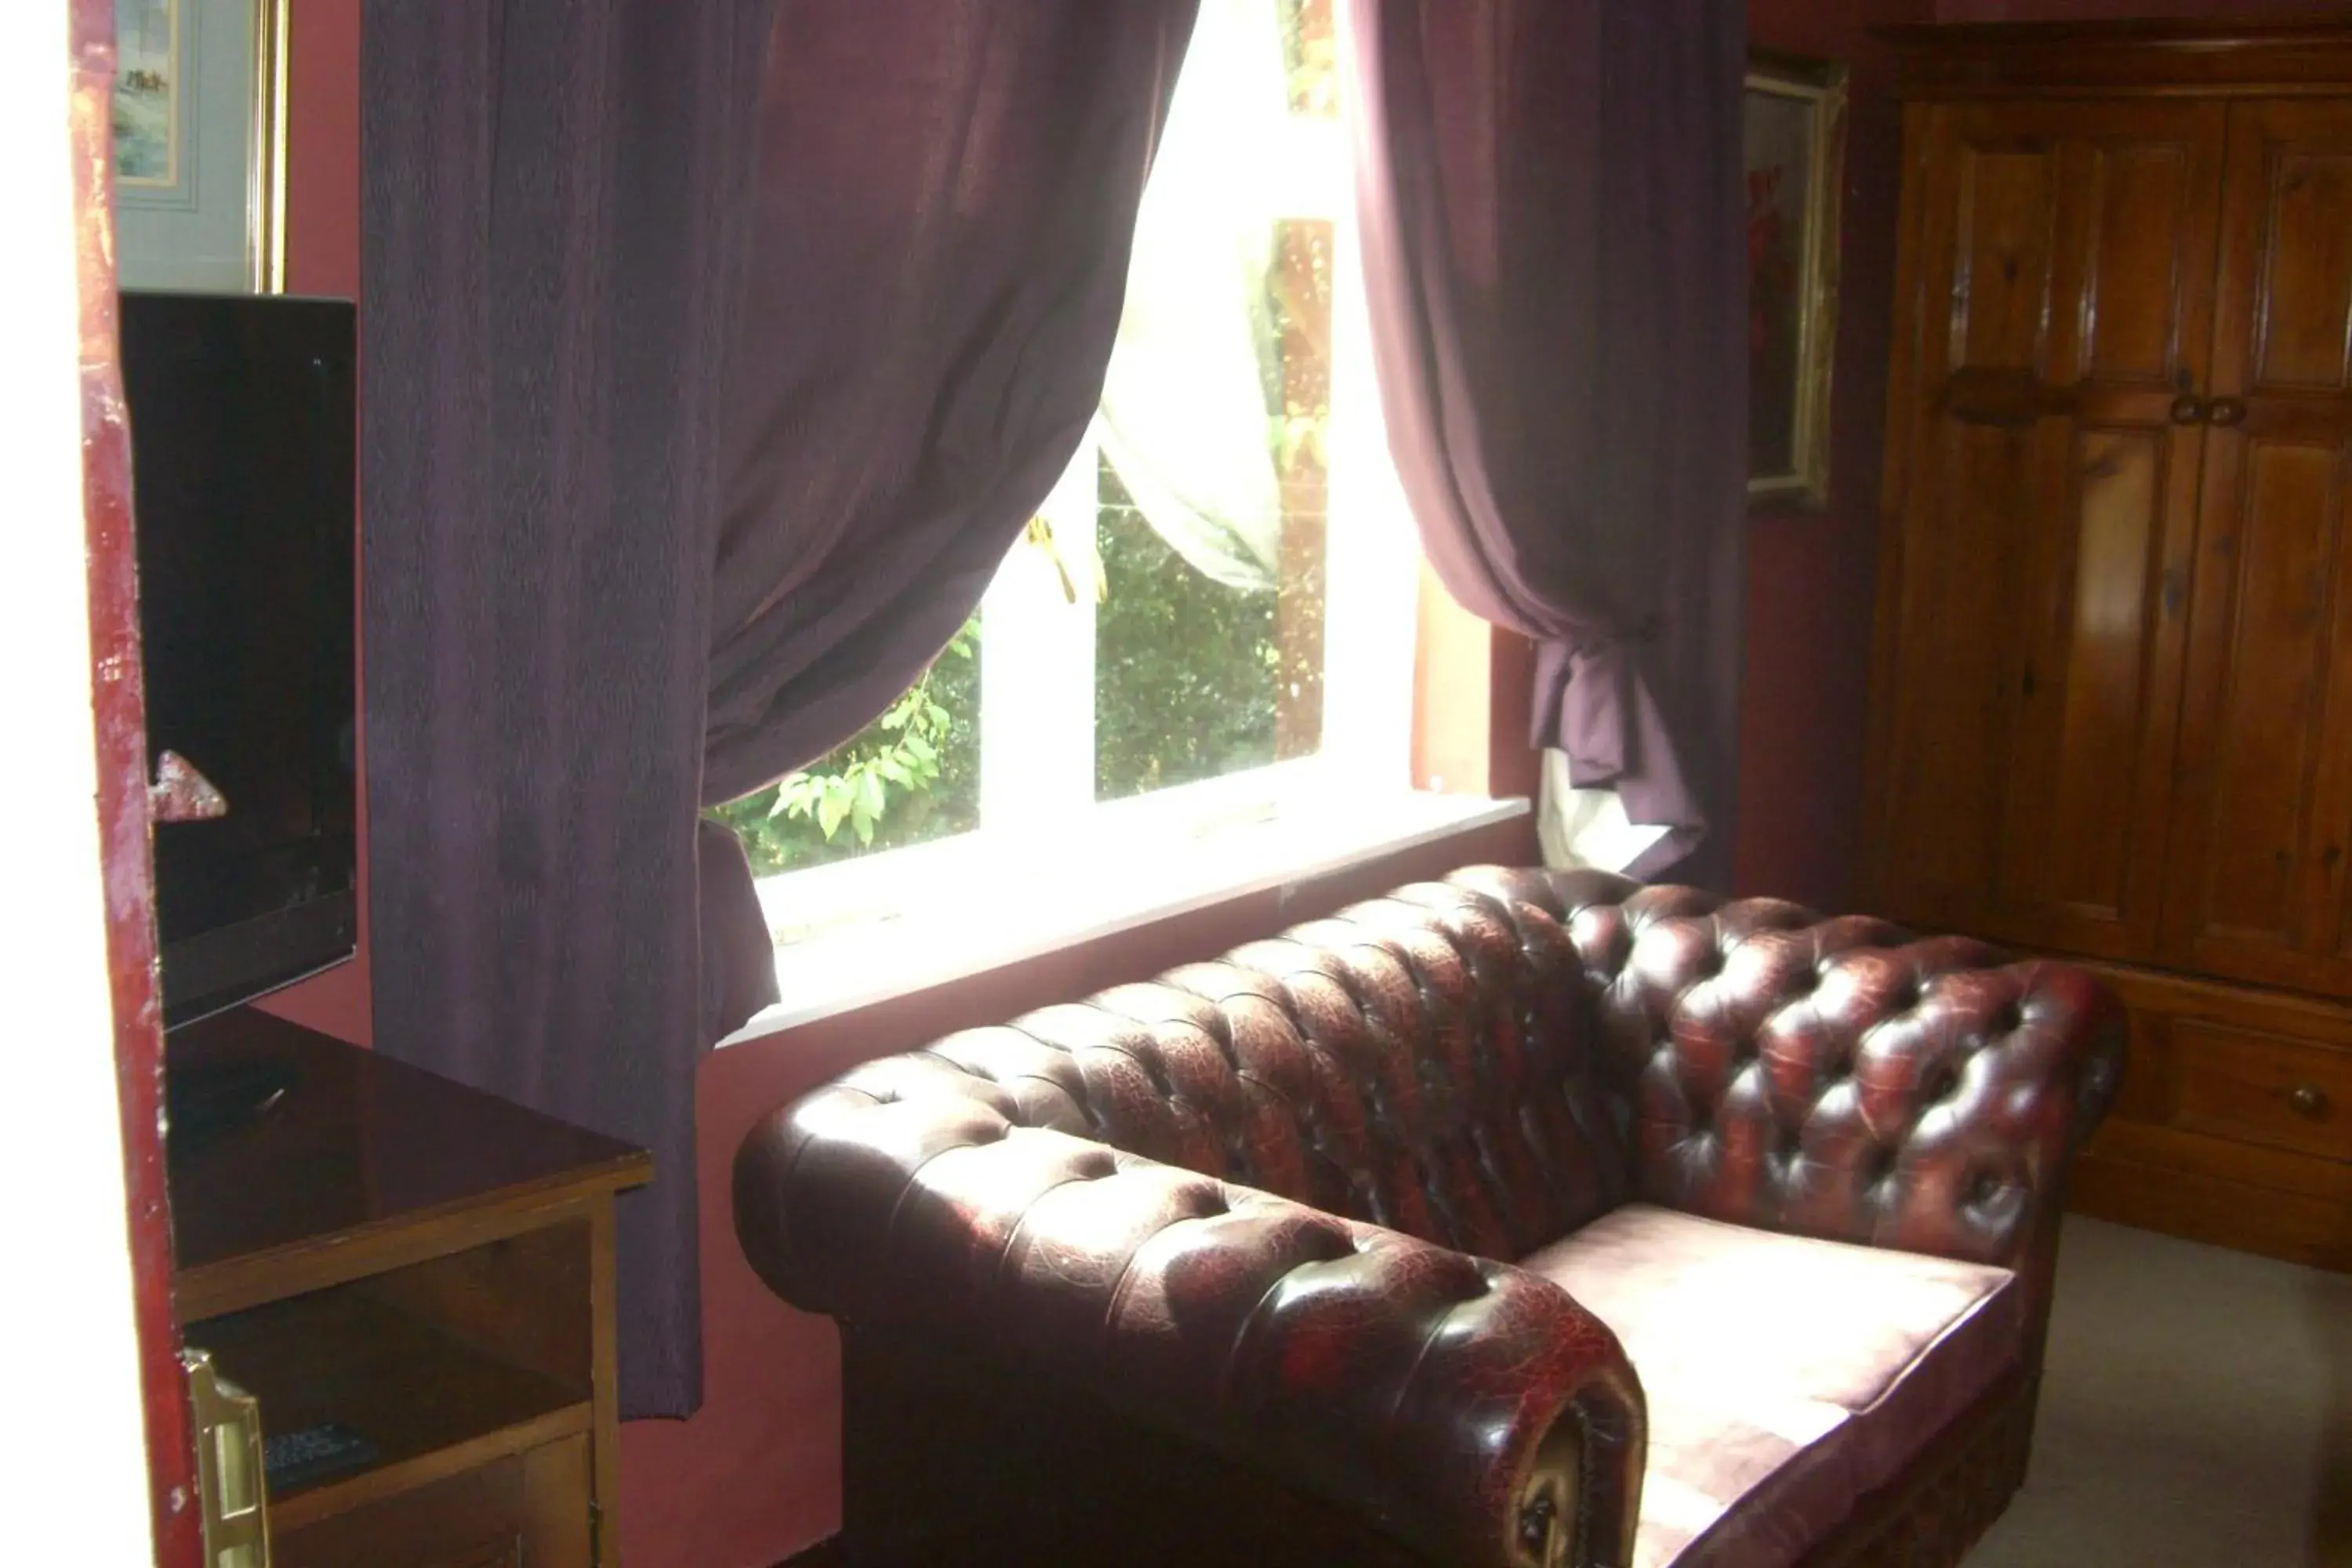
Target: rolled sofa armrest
pixel 1837 1077
pixel 1471 1410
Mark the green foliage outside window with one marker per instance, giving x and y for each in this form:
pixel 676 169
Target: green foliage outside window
pixel 912 774
pixel 1185 690
pixel 1310 56
pixel 1184 667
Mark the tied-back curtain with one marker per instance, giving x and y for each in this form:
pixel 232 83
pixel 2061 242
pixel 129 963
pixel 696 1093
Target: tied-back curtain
pixel 1554 244
pixel 946 205
pixel 716 352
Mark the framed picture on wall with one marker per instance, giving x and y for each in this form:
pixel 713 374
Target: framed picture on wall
pixel 1795 144
pixel 199 144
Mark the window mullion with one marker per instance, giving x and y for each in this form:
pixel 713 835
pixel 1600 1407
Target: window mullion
pixel 1037 666
pixel 1372 570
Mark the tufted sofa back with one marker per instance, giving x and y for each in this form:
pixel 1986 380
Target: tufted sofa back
pixel 1490 1062
pixel 1833 1078
pixel 1423 1061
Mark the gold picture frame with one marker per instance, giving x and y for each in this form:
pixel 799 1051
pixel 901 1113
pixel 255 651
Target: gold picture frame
pixel 1794 133
pixel 199 120
pixel 265 164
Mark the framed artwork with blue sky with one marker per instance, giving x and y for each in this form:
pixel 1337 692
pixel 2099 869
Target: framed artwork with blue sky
pixel 199 144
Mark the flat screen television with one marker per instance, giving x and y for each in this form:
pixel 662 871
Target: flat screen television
pixel 241 437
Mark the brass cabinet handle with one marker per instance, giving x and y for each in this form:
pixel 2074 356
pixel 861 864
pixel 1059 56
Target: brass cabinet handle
pixel 2228 411
pixel 2307 1101
pixel 2188 409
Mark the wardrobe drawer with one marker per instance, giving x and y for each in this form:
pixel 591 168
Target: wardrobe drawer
pixel 2263 1088
pixel 2231 1062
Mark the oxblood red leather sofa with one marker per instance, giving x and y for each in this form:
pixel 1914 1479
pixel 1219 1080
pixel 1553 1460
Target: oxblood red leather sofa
pixel 1527 1218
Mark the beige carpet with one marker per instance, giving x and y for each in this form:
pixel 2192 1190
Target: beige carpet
pixel 2197 1412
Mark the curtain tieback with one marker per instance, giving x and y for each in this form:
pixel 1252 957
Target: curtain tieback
pixel 1584 693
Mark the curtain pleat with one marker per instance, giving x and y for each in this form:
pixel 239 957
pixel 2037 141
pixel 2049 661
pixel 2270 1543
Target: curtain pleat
pixel 714 352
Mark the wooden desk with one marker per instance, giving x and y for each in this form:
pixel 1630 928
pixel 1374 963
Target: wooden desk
pixel 428 1264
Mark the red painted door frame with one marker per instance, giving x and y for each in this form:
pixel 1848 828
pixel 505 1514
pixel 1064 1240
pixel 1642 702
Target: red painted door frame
pixel 119 698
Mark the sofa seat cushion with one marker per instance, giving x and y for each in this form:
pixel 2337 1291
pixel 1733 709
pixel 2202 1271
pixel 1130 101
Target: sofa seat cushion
pixel 1786 1377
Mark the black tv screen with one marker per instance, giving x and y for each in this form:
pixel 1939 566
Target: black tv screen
pixel 242 412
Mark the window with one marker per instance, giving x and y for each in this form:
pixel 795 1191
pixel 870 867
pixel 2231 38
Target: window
pixel 1214 610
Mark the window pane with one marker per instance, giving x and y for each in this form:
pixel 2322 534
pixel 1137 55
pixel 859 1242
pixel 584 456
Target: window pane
pixel 1214 486
pixel 1184 666
pixel 1310 53
pixel 911 775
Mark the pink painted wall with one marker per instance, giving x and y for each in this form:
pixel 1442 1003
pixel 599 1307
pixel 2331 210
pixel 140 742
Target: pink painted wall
pixel 322 148
pixel 1810 575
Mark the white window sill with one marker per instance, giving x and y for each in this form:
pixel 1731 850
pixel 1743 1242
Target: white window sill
pixel 913 919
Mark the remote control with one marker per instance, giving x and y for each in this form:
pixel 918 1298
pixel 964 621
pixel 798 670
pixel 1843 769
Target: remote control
pixel 296 1459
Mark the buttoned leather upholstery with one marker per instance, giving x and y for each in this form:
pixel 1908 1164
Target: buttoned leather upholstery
pixel 1270 1202
pixel 1835 1078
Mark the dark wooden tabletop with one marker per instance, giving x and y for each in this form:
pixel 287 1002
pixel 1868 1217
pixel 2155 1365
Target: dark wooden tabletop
pixel 358 1149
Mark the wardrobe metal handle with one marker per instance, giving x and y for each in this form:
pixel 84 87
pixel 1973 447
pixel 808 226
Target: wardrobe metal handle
pixel 2307 1101
pixel 2228 411
pixel 2188 409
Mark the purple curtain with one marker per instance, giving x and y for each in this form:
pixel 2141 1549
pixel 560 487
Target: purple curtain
pixel 705 383
pixel 947 197
pixel 1554 243
pixel 552 199
pixel 945 202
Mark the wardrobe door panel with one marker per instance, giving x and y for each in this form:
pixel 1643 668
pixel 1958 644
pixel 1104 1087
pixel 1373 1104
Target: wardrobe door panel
pixel 2264 817
pixel 2063 253
pixel 2152 200
pixel 2070 856
pixel 1981 255
pixel 2300 194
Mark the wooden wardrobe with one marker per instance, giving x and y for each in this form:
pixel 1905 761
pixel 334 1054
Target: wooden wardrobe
pixel 2112 704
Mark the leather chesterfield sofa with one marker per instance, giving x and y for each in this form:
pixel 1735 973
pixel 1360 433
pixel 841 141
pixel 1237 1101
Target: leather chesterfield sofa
pixel 1527 1218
